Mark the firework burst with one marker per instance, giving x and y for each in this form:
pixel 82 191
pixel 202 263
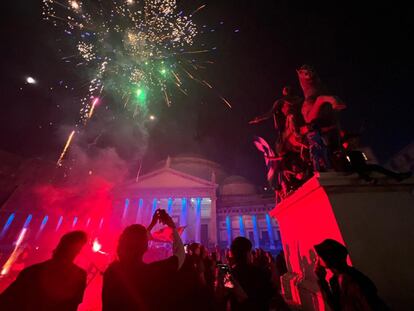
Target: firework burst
pixel 136 49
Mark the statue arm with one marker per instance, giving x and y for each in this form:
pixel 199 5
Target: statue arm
pixel 334 103
pixel 266 115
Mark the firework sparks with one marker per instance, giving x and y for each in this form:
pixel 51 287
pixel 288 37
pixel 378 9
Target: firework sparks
pixel 74 5
pixel 226 101
pixel 94 103
pixel 127 45
pixel 15 254
pixel 65 149
pixel 198 9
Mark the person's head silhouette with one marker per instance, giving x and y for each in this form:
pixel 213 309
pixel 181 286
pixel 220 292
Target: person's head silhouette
pixel 70 246
pixel 241 250
pixel 195 249
pixel 133 243
pixel 333 254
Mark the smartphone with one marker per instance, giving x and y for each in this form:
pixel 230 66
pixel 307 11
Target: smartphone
pixel 162 214
pixel 223 268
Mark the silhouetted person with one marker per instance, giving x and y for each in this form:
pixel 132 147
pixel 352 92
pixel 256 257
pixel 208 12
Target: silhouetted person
pixel 281 267
pixel 248 287
pixel 358 162
pixel 363 169
pixel 193 292
pixel 56 284
pixel 131 284
pixel 348 289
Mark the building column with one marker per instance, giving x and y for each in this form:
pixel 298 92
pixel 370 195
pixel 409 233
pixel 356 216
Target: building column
pixel 169 206
pixel 7 225
pixel 75 221
pixel 43 225
pixel 125 211
pixel 241 226
pixel 154 207
pixel 29 219
pixel 184 218
pixel 212 227
pixel 138 218
pixel 270 230
pixel 59 223
pixel 228 228
pixel 148 211
pixel 256 232
pixel 198 220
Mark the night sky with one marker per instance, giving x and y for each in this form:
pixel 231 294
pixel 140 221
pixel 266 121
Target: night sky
pixel 363 55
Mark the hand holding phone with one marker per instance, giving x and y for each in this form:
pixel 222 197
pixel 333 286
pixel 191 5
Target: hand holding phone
pixel 224 274
pixel 228 280
pixel 165 219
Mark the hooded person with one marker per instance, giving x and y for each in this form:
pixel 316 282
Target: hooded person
pixel 348 289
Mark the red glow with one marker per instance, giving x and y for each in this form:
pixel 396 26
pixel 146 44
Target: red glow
pixel 91 198
pixel 165 234
pixel 305 219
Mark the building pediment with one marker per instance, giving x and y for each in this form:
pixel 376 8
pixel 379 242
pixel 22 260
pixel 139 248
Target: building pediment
pixel 168 178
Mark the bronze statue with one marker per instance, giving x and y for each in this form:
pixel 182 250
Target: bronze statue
pixel 319 111
pixel 308 136
pixel 290 144
pixel 287 121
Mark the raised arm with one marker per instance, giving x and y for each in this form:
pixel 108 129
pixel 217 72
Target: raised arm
pixel 154 220
pixel 265 116
pixel 178 246
pixel 334 102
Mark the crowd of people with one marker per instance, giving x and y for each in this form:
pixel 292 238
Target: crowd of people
pixel 193 278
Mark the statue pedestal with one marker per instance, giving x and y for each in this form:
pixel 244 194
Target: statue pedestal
pixel 375 222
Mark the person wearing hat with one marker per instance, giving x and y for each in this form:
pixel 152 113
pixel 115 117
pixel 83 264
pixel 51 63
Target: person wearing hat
pixel 348 289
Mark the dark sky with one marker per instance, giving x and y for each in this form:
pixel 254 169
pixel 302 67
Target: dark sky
pixel 364 55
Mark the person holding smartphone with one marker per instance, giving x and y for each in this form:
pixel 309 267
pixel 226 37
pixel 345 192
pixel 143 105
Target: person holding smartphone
pixel 243 286
pixel 131 284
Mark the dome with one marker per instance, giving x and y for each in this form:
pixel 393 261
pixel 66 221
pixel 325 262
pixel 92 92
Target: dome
pixel 237 185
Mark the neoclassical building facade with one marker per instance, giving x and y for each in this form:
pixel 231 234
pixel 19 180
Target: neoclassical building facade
pixel 214 207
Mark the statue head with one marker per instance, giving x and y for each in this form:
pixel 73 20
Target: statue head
pixel 306 72
pixel 309 81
